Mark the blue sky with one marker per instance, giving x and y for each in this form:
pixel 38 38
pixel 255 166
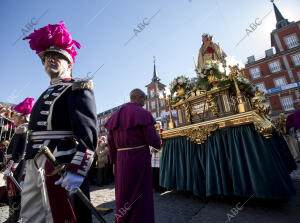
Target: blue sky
pixel 102 27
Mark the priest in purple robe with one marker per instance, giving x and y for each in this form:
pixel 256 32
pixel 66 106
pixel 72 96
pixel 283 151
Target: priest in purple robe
pixel 131 132
pixel 293 129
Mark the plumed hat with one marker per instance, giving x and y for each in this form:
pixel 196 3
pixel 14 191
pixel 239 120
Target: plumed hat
pixel 53 38
pixel 25 107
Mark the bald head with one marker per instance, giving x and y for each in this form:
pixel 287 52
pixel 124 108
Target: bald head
pixel 297 103
pixel 138 96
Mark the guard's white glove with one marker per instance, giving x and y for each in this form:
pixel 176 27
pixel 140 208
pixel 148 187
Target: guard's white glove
pixel 7 172
pixel 71 182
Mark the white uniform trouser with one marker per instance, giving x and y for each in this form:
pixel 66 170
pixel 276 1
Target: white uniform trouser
pixel 35 206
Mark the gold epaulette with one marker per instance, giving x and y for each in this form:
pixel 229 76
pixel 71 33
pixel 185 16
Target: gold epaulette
pixel 83 85
pixel 21 130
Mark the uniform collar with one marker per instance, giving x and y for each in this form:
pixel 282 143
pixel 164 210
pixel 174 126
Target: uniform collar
pixel 64 78
pixel 60 80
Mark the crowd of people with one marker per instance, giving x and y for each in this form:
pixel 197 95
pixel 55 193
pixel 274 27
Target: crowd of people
pixel 6 131
pixel 101 172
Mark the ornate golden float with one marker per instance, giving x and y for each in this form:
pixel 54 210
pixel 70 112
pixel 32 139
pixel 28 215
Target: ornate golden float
pixel 224 143
pixel 221 104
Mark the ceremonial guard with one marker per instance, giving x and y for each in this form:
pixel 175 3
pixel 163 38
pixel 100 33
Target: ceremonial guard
pixel 63 119
pixel 15 158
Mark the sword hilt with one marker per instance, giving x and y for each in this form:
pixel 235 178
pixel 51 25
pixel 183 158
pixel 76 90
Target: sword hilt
pixel 58 168
pixel 46 151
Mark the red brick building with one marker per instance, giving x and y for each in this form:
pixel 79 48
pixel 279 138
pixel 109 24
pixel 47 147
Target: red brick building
pixel 103 117
pixel 158 107
pixel 278 73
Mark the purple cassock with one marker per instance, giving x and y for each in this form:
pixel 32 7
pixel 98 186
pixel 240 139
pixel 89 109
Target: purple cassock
pixel 131 132
pixel 293 120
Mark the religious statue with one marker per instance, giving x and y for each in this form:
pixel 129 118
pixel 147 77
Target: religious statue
pixel 209 51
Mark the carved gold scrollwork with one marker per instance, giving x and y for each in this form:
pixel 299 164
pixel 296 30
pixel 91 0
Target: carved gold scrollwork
pixel 280 124
pixel 199 134
pixel 187 108
pixel 259 104
pixel 263 126
pixel 261 120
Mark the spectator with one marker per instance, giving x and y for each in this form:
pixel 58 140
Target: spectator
pixel 102 162
pixel 155 161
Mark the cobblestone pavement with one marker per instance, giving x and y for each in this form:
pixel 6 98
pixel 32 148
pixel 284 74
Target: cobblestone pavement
pixel 178 207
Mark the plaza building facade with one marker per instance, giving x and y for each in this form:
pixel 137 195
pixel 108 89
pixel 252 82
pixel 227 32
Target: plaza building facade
pixel 278 72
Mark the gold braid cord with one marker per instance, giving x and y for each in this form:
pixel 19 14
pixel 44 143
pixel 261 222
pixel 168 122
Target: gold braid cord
pixel 199 134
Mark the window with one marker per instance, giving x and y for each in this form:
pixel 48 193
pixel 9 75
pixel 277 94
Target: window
pixel 281 81
pixel 154 114
pixel 287 103
pixel 275 66
pixel 152 93
pixel 261 87
pixel 296 59
pixel 152 104
pixel 162 102
pixel 291 41
pixel 255 72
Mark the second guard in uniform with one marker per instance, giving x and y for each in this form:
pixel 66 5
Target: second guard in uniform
pixel 15 157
